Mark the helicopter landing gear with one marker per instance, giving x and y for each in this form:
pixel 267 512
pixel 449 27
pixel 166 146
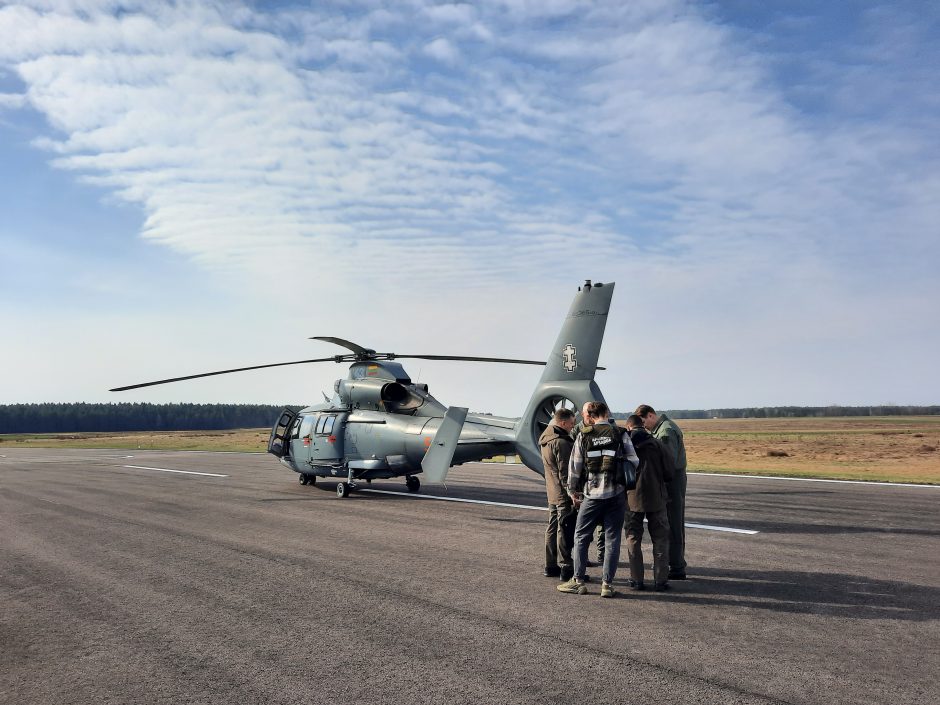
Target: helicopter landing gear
pixel 308 479
pixel 343 489
pixel 303 479
pixel 412 483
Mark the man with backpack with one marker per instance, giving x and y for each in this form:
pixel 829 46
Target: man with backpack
pixel 596 483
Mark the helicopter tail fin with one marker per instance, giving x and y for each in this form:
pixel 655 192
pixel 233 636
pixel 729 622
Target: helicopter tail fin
pixel 440 453
pixel 568 379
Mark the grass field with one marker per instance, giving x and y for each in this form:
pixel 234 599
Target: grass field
pixel 894 448
pixel 241 440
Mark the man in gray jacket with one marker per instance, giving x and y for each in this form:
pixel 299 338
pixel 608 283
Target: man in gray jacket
pixel 555 445
pixel 664 429
pixel 596 482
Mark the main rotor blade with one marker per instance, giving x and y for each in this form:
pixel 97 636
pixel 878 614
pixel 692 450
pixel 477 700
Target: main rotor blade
pixel 335 358
pixel 343 343
pixel 507 360
pixel 473 359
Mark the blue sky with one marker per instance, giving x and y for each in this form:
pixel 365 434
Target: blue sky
pixel 196 185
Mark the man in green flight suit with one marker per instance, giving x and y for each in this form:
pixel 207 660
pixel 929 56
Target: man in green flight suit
pixel 665 429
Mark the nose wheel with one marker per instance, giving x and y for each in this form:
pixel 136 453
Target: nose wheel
pixel 412 483
pixel 343 489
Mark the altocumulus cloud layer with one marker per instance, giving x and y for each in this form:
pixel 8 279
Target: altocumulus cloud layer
pixel 655 143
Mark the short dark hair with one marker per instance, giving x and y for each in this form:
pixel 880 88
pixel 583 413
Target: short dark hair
pixel 645 410
pixel 563 415
pixel 598 410
pixel 634 421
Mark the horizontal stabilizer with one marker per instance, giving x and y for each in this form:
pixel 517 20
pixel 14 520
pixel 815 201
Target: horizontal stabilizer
pixel 440 453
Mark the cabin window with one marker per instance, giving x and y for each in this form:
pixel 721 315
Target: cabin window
pixel 320 422
pixel 328 426
pixel 307 426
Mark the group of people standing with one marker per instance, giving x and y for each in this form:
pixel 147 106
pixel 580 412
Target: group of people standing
pixel 587 490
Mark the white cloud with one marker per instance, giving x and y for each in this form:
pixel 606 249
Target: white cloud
pixel 12 100
pixel 442 50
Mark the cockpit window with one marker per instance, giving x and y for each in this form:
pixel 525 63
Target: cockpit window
pixel 320 422
pixel 295 429
pixel 307 425
pixel 328 427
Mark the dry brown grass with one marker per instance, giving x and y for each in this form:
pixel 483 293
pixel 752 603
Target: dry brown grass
pixel 900 449
pixel 242 440
pixel 904 449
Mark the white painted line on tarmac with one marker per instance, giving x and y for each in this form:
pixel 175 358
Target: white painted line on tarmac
pixel 707 527
pixel 410 495
pixel 181 472
pixel 813 479
pixel 457 499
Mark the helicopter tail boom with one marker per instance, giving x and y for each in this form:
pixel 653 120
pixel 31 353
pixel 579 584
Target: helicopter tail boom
pixel 568 379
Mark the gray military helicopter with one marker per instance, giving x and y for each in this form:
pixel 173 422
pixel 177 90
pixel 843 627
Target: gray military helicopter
pixel 379 424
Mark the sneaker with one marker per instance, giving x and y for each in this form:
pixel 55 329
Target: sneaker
pixel 661 587
pixel 586 578
pixel 636 585
pixel 573 586
pixel 566 574
pixel 607 590
pixel 551 571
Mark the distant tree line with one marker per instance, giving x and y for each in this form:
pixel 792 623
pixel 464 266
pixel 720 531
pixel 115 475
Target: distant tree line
pixel 65 418
pixel 783 412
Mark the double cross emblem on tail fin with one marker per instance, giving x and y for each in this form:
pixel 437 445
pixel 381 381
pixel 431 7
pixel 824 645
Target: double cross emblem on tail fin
pixel 569 352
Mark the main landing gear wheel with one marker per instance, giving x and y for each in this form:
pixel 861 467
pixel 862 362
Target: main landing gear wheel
pixel 343 489
pixel 412 483
pixel 303 479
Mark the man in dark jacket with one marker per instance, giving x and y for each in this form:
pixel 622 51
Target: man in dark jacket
pixel 555 444
pixel 648 501
pixel 665 429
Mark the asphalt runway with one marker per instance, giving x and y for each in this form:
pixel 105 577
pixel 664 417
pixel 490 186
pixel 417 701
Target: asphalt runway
pixel 135 585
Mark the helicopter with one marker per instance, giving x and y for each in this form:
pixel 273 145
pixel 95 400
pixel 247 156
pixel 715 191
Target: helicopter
pixel 379 424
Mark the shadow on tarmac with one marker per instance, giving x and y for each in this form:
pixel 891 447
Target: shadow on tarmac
pixel 798 592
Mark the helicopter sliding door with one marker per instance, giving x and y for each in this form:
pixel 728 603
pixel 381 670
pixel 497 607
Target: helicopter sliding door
pixel 326 443
pixel 279 442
